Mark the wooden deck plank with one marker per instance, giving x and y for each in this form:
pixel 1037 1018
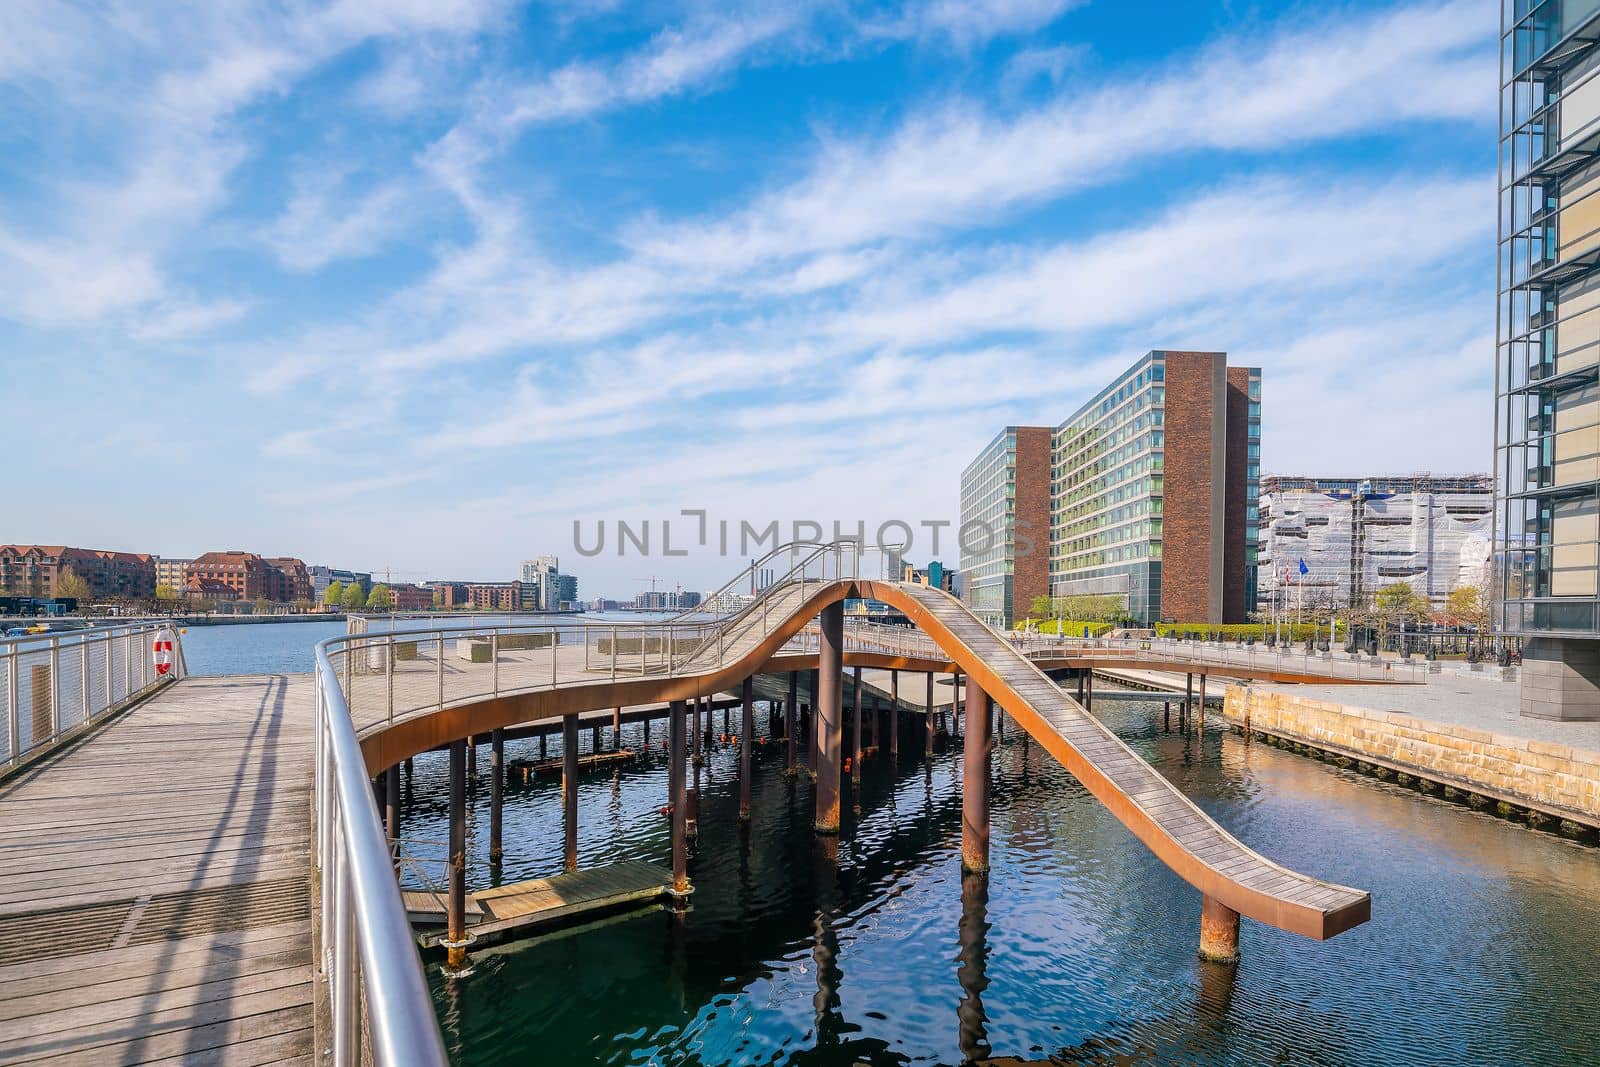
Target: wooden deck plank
pixel 164 863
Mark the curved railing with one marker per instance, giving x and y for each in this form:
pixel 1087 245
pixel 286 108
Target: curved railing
pixel 367 681
pixel 56 685
pixel 1236 657
pixel 377 993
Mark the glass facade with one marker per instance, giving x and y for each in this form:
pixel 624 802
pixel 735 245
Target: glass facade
pixel 988 529
pixel 1106 493
pixel 1547 420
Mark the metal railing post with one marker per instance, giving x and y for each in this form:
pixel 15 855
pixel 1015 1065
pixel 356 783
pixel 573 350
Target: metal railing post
pixel 494 661
pixel 613 653
pixel 55 688
pixel 110 690
pixel 440 658
pixel 13 715
pixel 388 670
pixel 83 677
pixel 341 985
pixel 555 640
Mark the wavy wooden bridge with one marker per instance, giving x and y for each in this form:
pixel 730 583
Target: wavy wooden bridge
pixel 167 855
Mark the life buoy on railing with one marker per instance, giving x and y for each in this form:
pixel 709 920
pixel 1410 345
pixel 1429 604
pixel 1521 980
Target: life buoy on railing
pixel 162 650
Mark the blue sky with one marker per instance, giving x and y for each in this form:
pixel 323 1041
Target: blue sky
pixel 417 284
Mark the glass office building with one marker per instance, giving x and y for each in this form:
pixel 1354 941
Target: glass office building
pixel 1547 422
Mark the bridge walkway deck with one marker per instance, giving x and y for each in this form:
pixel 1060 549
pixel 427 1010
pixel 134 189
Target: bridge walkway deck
pixel 155 884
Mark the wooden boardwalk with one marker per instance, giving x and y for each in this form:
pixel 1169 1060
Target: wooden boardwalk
pixel 155 885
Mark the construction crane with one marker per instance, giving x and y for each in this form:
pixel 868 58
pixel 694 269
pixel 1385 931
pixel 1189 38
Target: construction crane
pixel 652 579
pixel 390 572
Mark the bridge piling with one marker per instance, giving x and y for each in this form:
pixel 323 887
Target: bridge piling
pixel 855 733
pixel 616 728
pixel 1219 931
pixel 497 789
pixel 676 800
pixel 928 723
pixel 472 757
pixel 694 732
pixel 391 789
pixel 894 713
pixel 829 725
pixel 791 722
pixel 747 727
pixel 813 733
pixel 456 897
pixel 569 791
pixel 975 782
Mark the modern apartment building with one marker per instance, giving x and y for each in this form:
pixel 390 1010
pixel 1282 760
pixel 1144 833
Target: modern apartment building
pixel 1153 491
pixel 322 577
pixel 1147 493
pixel 1547 419
pixel 1357 535
pixel 1005 525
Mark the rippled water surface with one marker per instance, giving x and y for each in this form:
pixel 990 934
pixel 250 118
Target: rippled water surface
pixel 1079 947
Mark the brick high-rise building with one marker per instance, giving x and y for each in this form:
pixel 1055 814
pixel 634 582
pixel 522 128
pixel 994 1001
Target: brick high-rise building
pixel 35 570
pixel 1149 494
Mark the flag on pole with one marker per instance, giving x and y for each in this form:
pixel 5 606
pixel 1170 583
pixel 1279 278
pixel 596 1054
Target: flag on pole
pixel 1304 570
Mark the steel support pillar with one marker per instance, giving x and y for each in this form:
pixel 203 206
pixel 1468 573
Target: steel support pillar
pixel 894 713
pixel 569 791
pixel 747 728
pixel 456 894
pixel 975 782
pixel 791 723
pixel 855 728
pixel 391 794
pixel 497 790
pixel 676 800
pixel 828 725
pixel 928 722
pixel 1219 931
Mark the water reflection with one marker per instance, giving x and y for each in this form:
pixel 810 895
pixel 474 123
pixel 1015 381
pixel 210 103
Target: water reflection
pixel 1078 947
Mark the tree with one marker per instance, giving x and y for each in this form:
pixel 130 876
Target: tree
pixel 69 583
pixel 334 596
pixel 1400 602
pixel 353 598
pixel 1467 606
pixel 166 592
pixel 378 599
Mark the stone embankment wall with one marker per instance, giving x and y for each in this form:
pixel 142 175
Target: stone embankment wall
pixel 1549 779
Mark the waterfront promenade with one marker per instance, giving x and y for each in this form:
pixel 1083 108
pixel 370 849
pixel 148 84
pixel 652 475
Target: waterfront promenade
pixel 155 881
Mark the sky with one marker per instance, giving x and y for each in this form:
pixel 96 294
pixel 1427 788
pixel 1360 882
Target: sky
pixel 419 285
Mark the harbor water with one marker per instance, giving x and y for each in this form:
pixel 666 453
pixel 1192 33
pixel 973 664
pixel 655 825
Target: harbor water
pixel 1079 946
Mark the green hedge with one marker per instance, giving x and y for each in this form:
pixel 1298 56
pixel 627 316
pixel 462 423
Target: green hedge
pixel 1074 629
pixel 1232 631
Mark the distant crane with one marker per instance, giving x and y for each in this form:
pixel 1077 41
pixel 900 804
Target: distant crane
pixel 390 572
pixel 652 579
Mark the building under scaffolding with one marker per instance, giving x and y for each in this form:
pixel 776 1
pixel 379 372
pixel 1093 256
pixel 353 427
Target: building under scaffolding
pixel 1357 535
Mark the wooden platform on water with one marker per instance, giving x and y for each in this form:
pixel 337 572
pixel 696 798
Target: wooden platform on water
pixel 548 902
pixel 523 770
pixel 155 885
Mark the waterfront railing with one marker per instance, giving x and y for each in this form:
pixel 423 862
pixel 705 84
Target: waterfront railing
pixel 54 686
pixel 378 993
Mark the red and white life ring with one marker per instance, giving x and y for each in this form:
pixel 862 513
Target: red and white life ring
pixel 163 653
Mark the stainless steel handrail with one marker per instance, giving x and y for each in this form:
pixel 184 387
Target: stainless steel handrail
pixel 369 957
pixel 376 985
pixel 72 679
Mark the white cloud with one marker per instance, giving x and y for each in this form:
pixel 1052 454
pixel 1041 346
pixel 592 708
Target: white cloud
pixel 325 221
pixel 961 165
